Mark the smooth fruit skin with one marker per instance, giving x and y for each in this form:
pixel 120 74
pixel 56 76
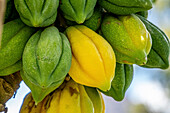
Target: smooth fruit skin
pixel 46 62
pixel 72 98
pixel 96 98
pixel 93 59
pixel 128 37
pixel 121 82
pixel 143 14
pixel 159 54
pixel 125 7
pixel 77 11
pixel 95 20
pixel 11 69
pixel 37 13
pixel 14 38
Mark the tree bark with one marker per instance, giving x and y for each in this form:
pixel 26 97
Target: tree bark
pixel 2 12
pixel 8 87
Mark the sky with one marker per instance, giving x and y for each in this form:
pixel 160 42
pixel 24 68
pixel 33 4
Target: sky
pixel 142 89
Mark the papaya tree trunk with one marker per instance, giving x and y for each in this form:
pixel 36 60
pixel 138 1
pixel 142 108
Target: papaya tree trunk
pixel 2 10
pixel 8 87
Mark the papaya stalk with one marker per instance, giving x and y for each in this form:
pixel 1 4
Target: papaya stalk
pixel 2 10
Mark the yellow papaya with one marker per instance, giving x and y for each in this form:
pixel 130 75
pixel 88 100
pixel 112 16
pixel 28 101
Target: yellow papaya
pixel 70 97
pixel 93 59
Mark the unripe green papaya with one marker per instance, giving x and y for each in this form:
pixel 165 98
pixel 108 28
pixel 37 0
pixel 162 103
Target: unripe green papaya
pixel 37 13
pixel 95 20
pixel 125 7
pixel 77 11
pixel 121 82
pixel 96 99
pixel 14 37
pixel 143 13
pixel 8 9
pixel 11 69
pixel 128 37
pixel 10 13
pixel 46 62
pixel 159 54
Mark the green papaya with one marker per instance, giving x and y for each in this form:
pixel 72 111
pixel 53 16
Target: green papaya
pixel 11 69
pixel 10 13
pixel 125 7
pixel 143 13
pixel 77 11
pixel 96 99
pixel 14 37
pixel 46 62
pixel 37 13
pixel 128 37
pixel 121 82
pixel 8 9
pixel 159 54
pixel 95 20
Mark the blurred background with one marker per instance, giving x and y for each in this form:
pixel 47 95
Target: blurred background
pixel 150 88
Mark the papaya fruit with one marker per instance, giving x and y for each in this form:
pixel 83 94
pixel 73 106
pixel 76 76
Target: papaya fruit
pixel 77 11
pixel 14 38
pixel 143 13
pixel 11 69
pixel 37 13
pixel 8 9
pixel 95 20
pixel 96 99
pixel 125 7
pixel 72 98
pixel 121 82
pixel 93 59
pixel 10 13
pixel 159 54
pixel 46 62
pixel 128 37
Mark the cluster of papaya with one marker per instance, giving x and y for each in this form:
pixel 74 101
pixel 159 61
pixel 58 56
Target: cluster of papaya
pixel 69 51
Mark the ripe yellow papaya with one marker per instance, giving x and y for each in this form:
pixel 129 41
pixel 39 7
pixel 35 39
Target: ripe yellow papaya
pixel 46 62
pixel 70 97
pixel 128 37
pixel 93 59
